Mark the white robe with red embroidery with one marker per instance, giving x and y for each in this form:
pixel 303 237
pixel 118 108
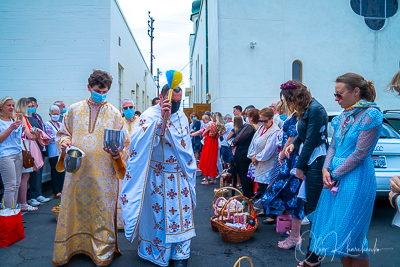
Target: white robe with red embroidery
pixel 158 194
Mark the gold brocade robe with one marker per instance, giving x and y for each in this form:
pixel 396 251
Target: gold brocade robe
pixel 129 127
pixel 87 219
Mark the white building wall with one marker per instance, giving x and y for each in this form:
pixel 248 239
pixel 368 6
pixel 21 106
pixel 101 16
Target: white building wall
pixel 326 36
pixel 135 70
pixel 49 48
pixel 198 81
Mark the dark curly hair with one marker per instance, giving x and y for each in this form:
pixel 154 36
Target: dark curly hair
pixel 100 78
pixel 299 96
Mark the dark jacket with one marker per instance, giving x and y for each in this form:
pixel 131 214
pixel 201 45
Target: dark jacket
pixel 309 132
pixel 34 123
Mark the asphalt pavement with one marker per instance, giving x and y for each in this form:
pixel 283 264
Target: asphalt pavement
pixel 208 248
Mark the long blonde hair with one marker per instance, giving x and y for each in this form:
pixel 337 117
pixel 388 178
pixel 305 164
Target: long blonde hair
pixel 394 84
pixel 3 102
pixel 219 121
pixel 22 106
pixel 237 123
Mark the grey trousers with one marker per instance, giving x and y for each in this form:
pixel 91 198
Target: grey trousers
pixel 11 171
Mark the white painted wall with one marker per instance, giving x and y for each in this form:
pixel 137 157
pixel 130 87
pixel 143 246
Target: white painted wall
pixel 49 48
pixel 128 55
pixel 327 36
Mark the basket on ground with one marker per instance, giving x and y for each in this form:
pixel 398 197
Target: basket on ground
pixel 215 206
pixel 234 235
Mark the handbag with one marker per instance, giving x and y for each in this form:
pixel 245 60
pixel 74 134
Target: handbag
pixel 27 160
pixel 283 223
pixel 11 227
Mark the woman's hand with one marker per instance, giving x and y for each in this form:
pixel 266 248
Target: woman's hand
pixel 300 174
pixel 253 160
pixel 395 184
pixel 327 179
pixel 289 150
pixel 281 157
pixel 15 125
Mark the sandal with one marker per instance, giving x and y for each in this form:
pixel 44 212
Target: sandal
pixel 213 182
pixel 305 264
pixel 293 243
pixel 58 195
pixel 26 207
pixel 269 221
pixel 205 183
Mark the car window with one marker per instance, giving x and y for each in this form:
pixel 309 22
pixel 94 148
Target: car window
pixel 394 122
pixel 387 131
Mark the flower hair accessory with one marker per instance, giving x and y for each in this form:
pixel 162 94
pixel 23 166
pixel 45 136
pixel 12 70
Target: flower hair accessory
pixel 288 85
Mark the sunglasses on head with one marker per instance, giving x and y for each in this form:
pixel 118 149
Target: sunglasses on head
pixel 266 121
pixel 129 107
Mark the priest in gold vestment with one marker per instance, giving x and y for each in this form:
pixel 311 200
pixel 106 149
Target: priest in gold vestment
pixel 87 221
pixel 131 121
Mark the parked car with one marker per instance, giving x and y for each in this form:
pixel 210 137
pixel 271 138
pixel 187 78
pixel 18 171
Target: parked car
pixel 393 116
pixel 386 155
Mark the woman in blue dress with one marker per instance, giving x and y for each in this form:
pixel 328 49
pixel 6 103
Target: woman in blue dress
pixel 341 221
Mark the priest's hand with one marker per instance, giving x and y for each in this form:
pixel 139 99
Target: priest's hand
pixel 64 145
pixel 165 107
pixel 113 154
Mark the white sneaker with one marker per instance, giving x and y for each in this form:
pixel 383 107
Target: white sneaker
pixel 305 221
pixel 43 199
pixel 33 202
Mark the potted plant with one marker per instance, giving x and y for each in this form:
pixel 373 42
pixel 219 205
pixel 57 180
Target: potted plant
pixel 56 210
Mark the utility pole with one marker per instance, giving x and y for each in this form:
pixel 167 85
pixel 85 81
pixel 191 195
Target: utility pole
pixel 150 33
pixel 158 80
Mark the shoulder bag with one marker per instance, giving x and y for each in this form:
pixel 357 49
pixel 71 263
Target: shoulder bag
pixel 27 159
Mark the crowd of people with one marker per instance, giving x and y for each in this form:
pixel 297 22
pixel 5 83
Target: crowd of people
pixel 23 135
pixel 271 153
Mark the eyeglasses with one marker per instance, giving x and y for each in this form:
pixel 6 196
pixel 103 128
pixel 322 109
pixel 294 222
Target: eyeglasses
pixel 129 107
pixel 338 95
pixel 266 121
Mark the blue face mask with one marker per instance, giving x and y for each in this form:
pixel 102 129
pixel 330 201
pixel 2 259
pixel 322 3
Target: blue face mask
pixel 283 117
pixel 98 97
pixel 64 110
pixel 31 110
pixel 129 113
pixel 194 118
pixel 226 121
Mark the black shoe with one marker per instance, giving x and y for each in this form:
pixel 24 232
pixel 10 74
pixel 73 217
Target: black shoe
pixel 258 195
pixel 180 263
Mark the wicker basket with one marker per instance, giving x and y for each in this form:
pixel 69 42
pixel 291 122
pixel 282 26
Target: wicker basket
pixel 233 235
pixel 213 223
pixel 242 258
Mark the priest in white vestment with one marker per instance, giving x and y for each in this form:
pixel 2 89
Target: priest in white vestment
pixel 158 194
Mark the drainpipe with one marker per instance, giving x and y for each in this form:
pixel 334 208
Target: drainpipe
pixel 206 48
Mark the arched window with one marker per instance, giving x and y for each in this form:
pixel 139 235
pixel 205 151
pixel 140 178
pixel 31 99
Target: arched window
pixel 297 71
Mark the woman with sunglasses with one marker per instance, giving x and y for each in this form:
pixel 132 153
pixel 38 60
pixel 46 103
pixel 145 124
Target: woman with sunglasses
pixel 262 151
pixel 341 221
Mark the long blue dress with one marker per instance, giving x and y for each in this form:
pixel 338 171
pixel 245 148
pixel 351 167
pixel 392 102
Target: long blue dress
pixel 341 222
pixel 282 194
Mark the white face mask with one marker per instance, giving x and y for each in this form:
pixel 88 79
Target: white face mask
pixel 55 117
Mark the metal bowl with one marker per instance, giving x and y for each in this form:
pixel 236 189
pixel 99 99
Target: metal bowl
pixel 73 159
pixel 114 139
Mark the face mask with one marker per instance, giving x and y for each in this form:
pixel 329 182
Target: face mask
pixel 194 118
pixel 129 113
pixel 283 117
pixel 31 110
pixel 64 110
pixel 175 107
pixel 54 117
pixel 98 97
pixel 226 121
